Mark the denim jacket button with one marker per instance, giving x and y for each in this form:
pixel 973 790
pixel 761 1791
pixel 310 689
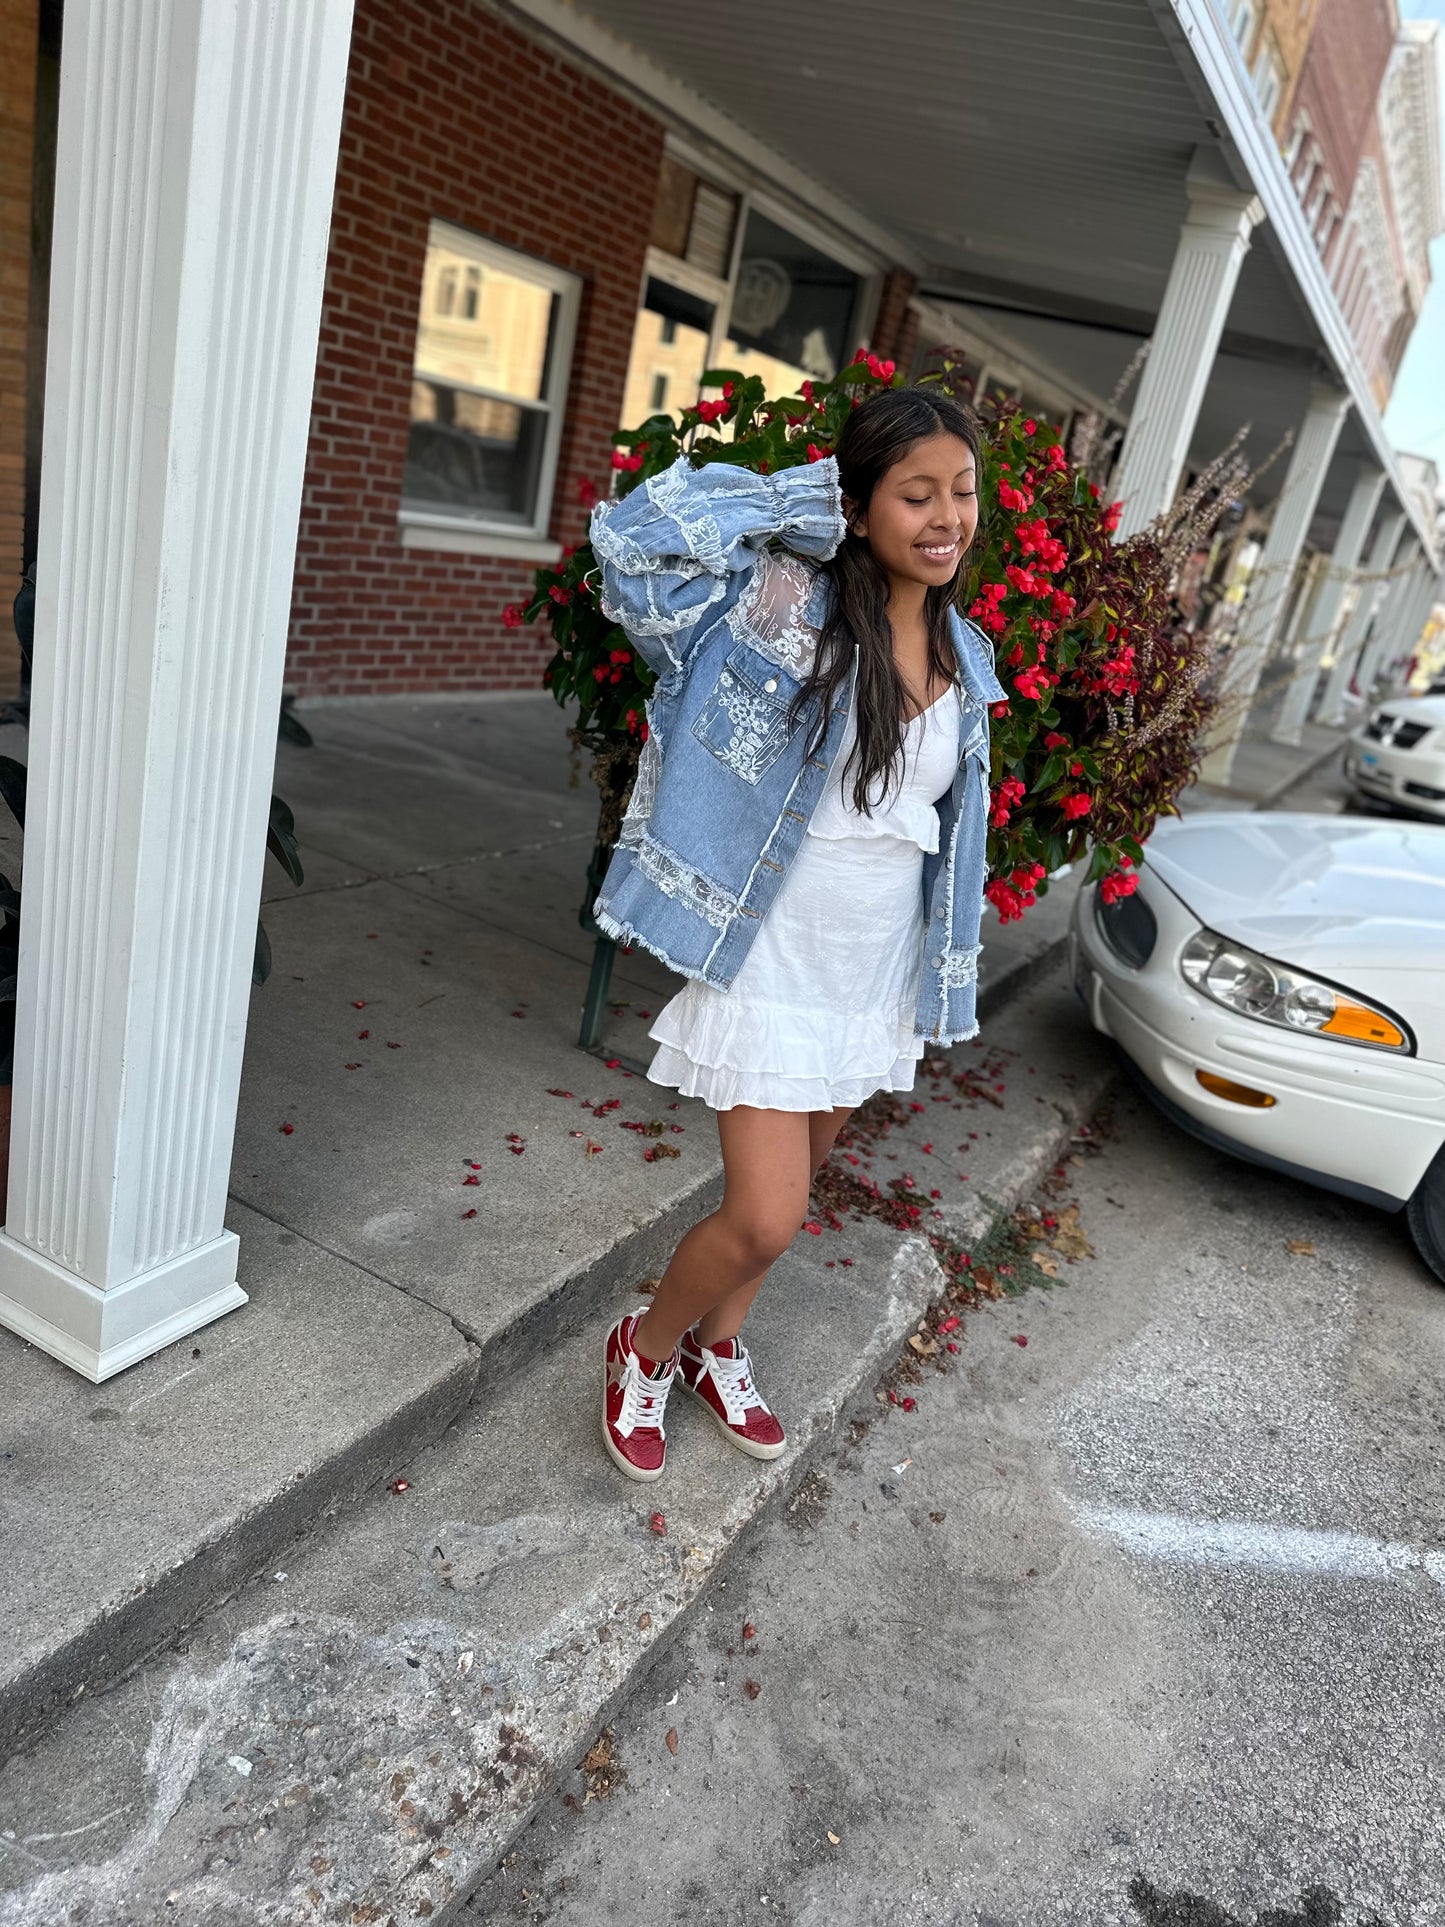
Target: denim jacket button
pixel 936 962
pixel 771 684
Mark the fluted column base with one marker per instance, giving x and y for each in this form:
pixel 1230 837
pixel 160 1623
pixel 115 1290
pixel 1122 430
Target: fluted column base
pixel 98 1333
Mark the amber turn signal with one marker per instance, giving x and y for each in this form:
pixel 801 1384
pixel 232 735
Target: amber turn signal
pixel 1236 1093
pixel 1364 1025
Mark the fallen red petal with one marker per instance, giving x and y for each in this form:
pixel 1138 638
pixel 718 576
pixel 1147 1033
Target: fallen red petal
pixel 287 1129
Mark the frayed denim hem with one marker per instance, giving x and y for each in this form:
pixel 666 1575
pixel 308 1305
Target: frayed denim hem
pixel 627 935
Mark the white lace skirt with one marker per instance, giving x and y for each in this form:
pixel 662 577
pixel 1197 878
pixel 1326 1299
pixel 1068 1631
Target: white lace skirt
pixel 821 1012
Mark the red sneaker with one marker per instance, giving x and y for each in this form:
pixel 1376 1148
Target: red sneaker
pixel 633 1404
pixel 721 1376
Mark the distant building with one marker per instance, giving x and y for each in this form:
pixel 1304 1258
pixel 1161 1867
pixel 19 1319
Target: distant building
pixel 1363 152
pixel 1273 37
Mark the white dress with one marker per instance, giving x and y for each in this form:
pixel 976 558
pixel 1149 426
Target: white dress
pixel 821 1011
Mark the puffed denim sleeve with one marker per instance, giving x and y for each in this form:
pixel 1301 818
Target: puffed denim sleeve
pixel 676 546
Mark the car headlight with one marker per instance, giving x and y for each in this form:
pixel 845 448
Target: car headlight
pixel 1255 986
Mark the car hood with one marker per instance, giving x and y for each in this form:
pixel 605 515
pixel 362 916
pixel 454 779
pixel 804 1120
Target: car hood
pixel 1360 901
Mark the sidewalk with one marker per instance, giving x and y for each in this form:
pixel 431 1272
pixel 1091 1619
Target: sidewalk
pixel 420 1023
pixel 1265 772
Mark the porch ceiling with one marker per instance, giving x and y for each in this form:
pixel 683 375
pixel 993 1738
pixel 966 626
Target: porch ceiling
pixel 1054 179
pixel 1064 169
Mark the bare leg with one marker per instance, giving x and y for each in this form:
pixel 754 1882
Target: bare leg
pixel 725 1320
pixel 769 1158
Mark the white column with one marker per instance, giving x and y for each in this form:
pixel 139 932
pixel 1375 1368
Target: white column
pixel 1372 595
pixel 1407 621
pixel 195 166
pixel 1329 607
pixel 1212 245
pixel 1269 587
pixel 1402 588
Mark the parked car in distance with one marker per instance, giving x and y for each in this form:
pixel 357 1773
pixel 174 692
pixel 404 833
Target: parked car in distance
pixel 1397 754
pixel 1277 982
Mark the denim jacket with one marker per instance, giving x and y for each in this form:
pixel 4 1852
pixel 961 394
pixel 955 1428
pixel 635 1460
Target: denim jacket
pixel 711 573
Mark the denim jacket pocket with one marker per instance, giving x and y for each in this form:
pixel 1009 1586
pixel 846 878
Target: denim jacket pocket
pixel 743 721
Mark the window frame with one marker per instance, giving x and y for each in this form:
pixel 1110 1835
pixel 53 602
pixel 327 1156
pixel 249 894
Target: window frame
pixel 479 533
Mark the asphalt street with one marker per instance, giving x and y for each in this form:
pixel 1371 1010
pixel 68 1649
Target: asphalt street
pixel 1138 1621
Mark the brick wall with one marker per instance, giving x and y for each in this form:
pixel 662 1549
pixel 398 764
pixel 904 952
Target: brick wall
pixel 17 126
pixel 451 113
pixel 1339 82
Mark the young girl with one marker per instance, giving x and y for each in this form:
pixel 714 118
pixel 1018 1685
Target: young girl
pixel 805 840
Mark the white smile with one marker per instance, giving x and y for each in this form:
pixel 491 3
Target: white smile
pixel 937 551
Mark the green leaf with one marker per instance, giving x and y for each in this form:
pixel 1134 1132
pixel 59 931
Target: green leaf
pixel 281 840
pixel 13 779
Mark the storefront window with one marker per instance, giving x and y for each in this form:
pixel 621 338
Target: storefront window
pixel 792 310
pixel 669 353
pixel 493 349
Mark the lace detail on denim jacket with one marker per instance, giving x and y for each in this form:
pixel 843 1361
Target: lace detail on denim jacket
pixel 644 791
pixel 678 879
pixel 770 614
pixel 960 967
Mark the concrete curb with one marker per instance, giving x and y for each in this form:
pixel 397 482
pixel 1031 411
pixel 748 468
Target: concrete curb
pixel 1272 797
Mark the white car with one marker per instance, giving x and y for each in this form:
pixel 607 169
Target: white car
pixel 1397 755
pixel 1278 980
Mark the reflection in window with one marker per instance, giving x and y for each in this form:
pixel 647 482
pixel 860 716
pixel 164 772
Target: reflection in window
pixel 792 311
pixel 669 353
pixel 487 384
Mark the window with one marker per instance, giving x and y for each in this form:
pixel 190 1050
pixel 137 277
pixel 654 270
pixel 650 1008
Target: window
pixel 669 351
pixel 1269 77
pixel 488 384
pixel 792 309
pixel 1242 17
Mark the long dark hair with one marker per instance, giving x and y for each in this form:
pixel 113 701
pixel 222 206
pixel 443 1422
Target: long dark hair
pixel 877 434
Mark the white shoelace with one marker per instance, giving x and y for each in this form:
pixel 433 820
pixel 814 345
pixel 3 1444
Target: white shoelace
pixel 644 1399
pixel 734 1378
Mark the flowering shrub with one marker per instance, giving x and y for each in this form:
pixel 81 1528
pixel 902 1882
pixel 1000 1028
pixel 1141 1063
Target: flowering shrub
pixel 1105 712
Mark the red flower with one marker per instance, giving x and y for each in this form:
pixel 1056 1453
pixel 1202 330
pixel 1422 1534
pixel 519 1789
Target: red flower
pixel 1076 769
pixel 1005 899
pixel 511 616
pixel 816 454
pixel 559 594
pixel 1031 427
pixel 711 411
pixel 621 459
pixel 587 491
pixel 1109 520
pixel 1117 884
pixel 1055 741
pixel 1077 804
pixel 998 709
pixel 1033 683
pixel 1013 498
pixel 1056 459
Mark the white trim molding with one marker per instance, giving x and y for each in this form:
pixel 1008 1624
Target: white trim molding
pixel 196 157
